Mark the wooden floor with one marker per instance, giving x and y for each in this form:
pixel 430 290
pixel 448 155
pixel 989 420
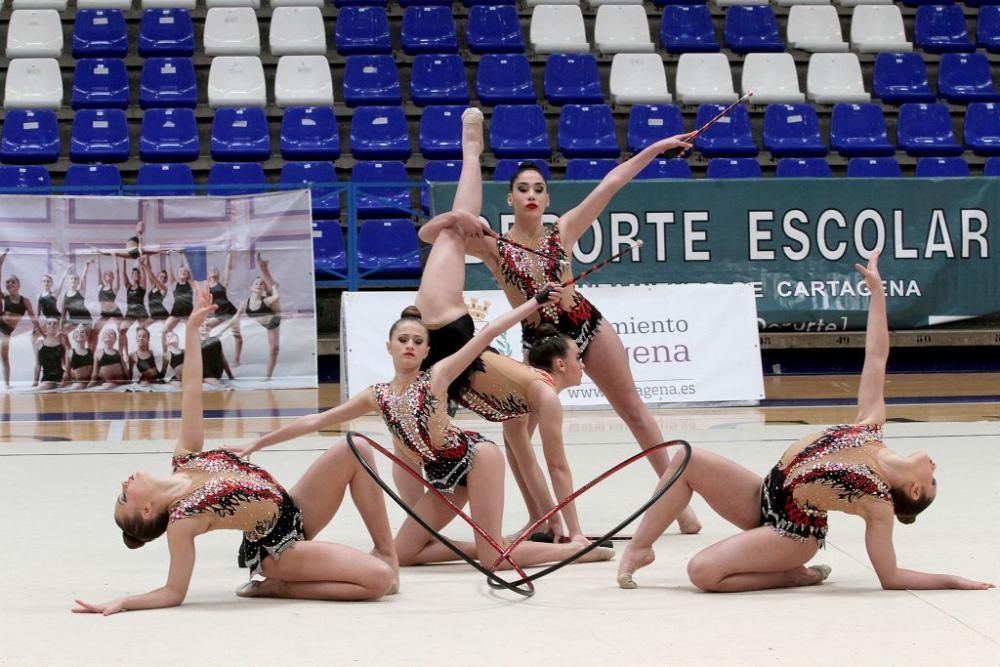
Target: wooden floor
pixel 229 414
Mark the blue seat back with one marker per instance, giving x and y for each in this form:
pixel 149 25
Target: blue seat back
pixel 752 29
pixel 581 169
pixel 30 137
pixel 966 77
pixel 859 129
pixel 169 135
pixel 388 248
pixel 99 135
pixel 992 167
pixel 32 178
pixel 240 134
pixel 648 123
pixel 942 167
pixel 873 167
pixel 166 32
pixel 371 79
pixel 228 179
pixel 309 133
pixel 901 77
pixel 494 29
pixel 506 168
pixel 362 30
pixel 438 79
pixel 803 167
pixel 319 177
pixel 165 180
pixel 925 129
pixel 731 136
pixel 429 30
pixel 740 167
pixel 505 79
pixel 383 201
pixel 518 130
pixel 587 130
pixel 168 82
pixel 988 28
pixel 329 256
pixel 440 134
pixel 99 33
pixel 792 130
pixel 982 128
pixel 380 133
pixel 688 29
pixel 572 78
pixel 100 83
pixel 941 28
pixel 438 171
pixel 93 179
pixel 665 168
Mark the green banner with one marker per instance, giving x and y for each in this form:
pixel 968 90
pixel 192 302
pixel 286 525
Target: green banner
pixel 795 241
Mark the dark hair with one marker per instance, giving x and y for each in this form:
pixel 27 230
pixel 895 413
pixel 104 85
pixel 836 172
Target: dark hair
pixel 409 314
pixel 523 167
pixel 136 532
pixel 906 508
pixel 550 344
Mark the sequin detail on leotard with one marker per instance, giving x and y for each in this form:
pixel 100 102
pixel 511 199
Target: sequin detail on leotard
pixel 528 273
pixel 500 391
pixel 831 471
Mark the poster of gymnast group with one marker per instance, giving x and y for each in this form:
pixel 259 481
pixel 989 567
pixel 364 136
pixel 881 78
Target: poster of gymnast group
pixel 96 291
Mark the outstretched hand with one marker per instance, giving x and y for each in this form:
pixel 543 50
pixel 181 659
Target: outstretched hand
pixel 203 305
pixel 870 272
pixel 964 584
pixel 105 609
pixel 681 141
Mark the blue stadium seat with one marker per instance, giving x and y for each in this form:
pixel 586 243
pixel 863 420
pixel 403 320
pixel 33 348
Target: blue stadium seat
pixel 648 123
pixel 966 77
pixel 688 29
pixel 792 130
pixel 664 3
pixel 438 79
pixel 925 129
pixel 918 3
pixel 309 133
pixel 803 167
pixel 165 180
pixel 319 177
pixel 100 83
pixel 329 255
pixel 30 137
pixel 589 170
pixel 362 30
pixel 388 249
pixel 665 168
pixel 168 82
pixel 169 135
pixel 942 167
pixel 384 201
pixel 572 78
pixel 518 130
pixel 371 79
pixel 440 133
pixel 992 167
pixel 438 171
pixel 166 32
pixel 752 29
pixel 93 179
pixel 982 128
pixel 506 168
pixel 740 167
pixel 873 167
pixel 587 130
pixel 99 135
pixel 505 78
pixel 100 33
pixel 474 3
pixel 240 134
pixel 429 30
pixel 380 133
pixel 494 29
pixel 901 77
pixel 424 3
pixel 229 179
pixel 361 3
pixel 941 28
pixel 730 137
pixel 988 28
pixel 859 129
pixel 32 178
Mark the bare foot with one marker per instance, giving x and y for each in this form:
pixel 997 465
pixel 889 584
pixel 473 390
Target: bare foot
pixel 392 561
pixel 688 522
pixel 633 559
pixel 809 576
pixel 472 131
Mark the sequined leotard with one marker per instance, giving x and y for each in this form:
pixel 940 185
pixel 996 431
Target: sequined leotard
pixel 500 391
pixel 831 470
pixel 234 493
pixel 523 274
pixel 419 420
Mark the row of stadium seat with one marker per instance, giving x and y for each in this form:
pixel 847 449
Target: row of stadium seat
pixel 126 5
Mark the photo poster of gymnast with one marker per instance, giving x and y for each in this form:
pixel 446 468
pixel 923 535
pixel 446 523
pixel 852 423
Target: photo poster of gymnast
pixel 95 291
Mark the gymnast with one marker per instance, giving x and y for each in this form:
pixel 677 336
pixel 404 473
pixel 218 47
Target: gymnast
pixel 15 307
pixel 217 489
pixel 521 274
pixel 454 461
pixel 846 468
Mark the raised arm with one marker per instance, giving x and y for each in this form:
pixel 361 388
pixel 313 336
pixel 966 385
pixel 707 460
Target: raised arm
pixel 62 282
pixel 871 391
pixel 3 258
pixel 449 368
pixel 123 272
pixel 192 437
pixel 878 541
pixel 148 270
pixel 576 221
pixel 83 277
pixel 170 268
pixel 228 269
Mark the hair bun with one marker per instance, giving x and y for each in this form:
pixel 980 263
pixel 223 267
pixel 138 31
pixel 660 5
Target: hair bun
pixel 411 312
pixel 132 542
pixel 546 330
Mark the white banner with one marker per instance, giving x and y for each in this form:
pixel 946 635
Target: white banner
pixel 83 310
pixel 684 343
